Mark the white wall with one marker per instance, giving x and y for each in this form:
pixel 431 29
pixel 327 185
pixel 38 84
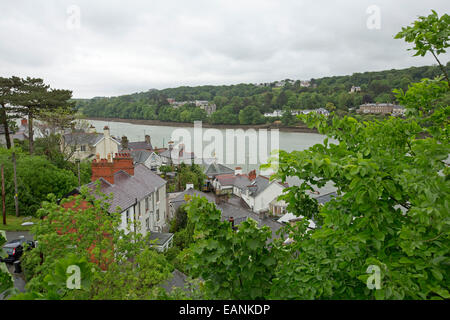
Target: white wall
pixel 263 199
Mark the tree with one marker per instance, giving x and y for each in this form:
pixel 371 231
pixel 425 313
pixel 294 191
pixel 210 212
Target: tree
pixel 7 90
pixel 233 265
pixel 429 34
pixel 34 97
pixel 122 263
pixel 37 177
pixel 251 115
pixel 287 117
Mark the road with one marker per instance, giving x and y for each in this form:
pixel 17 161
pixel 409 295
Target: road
pixel 19 278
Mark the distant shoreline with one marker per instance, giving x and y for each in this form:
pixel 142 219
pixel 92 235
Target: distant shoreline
pixel 303 129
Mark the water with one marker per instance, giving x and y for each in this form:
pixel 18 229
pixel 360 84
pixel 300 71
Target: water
pixel 161 135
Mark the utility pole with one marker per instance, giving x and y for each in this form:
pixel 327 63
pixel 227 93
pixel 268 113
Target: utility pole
pixel 16 192
pixel 3 196
pixel 78 169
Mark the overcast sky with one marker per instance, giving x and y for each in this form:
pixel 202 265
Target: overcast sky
pixel 120 47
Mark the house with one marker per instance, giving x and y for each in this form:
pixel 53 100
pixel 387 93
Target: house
pixel 231 210
pixel 89 145
pixel 213 169
pixel 255 191
pixel 148 158
pixel 176 156
pixel 274 114
pixel 354 89
pixel 261 192
pixel 126 146
pixel 381 108
pixel 22 133
pixel 232 183
pixel 291 218
pixel 137 193
pixel 162 241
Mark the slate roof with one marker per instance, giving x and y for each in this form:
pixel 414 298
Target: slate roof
pixel 126 188
pixel 160 237
pixel 178 280
pixel 176 154
pixel 140 156
pixel 140 145
pixel 82 138
pixel 326 197
pixel 215 169
pixel 229 209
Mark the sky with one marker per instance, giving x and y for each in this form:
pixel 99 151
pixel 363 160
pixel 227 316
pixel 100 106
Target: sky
pixel 109 48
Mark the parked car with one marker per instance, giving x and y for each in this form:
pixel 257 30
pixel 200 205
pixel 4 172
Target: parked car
pixel 14 249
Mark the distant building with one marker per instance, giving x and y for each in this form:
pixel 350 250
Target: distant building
pixel 381 108
pixel 354 89
pixel 176 156
pixel 305 83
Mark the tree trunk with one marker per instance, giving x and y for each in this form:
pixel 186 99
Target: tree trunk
pixel 16 192
pixel 30 131
pixel 5 124
pixel 3 196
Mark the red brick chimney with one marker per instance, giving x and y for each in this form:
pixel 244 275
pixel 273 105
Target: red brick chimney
pixel 102 168
pixel 252 175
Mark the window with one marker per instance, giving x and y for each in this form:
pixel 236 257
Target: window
pixel 128 217
pixel 146 204
pixel 147 224
pixel 83 148
pixel 157 195
pixel 157 214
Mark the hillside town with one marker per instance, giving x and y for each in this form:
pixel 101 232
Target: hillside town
pixel 223 157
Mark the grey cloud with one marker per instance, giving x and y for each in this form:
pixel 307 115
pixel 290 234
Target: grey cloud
pixel 128 46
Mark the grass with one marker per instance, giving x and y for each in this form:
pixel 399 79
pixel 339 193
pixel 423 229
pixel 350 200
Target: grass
pixel 13 223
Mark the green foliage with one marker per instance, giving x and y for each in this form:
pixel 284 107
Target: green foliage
pixel 428 34
pixel 5 279
pixel 251 115
pixel 231 100
pixel 234 265
pixel 119 264
pixel 37 177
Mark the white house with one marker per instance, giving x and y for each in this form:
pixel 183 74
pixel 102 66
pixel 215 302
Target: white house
pixel 89 145
pixel 261 192
pixel 137 193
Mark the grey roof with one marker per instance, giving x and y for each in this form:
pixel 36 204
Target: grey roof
pixel 140 156
pixel 82 138
pixel 261 183
pixel 160 237
pixel 126 188
pixel 241 182
pixel 215 169
pixel 140 145
pixel 178 280
pixel 175 154
pixel 326 197
pixel 230 209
